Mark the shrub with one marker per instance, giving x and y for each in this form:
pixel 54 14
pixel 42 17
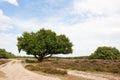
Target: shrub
pixel 106 53
pixel 5 54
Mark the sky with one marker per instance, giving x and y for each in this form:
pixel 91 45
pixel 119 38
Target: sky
pixel 87 23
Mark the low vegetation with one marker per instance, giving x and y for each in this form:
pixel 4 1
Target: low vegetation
pixel 46 69
pixel 112 66
pixel 3 61
pixel 6 54
pixel 106 53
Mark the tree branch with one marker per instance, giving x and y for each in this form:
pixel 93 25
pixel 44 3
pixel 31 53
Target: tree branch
pixel 48 56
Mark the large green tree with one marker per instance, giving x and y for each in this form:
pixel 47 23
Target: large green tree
pixel 43 44
pixel 107 53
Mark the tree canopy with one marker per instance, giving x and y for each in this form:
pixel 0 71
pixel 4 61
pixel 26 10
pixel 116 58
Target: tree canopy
pixel 107 53
pixel 44 43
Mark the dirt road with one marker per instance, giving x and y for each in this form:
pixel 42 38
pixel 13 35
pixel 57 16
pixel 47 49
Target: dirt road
pixel 14 70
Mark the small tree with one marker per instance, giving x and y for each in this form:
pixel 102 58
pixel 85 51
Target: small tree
pixel 107 53
pixel 43 44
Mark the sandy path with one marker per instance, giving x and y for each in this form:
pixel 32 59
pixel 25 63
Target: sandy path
pixel 92 76
pixel 15 71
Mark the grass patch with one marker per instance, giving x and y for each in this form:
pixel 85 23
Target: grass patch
pixel 54 71
pixel 46 69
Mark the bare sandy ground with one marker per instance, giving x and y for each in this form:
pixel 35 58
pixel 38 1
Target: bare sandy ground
pixel 93 76
pixel 14 70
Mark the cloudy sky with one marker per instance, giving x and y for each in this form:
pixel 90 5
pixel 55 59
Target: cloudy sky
pixel 87 23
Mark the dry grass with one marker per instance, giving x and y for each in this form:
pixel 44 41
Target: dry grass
pixel 48 70
pixel 62 77
pixel 3 61
pixel 51 66
pixel 112 66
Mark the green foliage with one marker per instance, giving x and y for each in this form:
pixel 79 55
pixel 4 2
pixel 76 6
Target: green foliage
pixel 5 54
pixel 106 53
pixel 43 44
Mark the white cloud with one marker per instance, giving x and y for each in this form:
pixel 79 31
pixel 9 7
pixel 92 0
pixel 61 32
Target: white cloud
pixel 5 21
pixel 97 6
pixel 97 31
pixel 8 42
pixel 14 2
pixel 3 18
pixel 105 25
pixel 26 25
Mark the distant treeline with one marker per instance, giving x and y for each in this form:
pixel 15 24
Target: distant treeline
pixel 6 54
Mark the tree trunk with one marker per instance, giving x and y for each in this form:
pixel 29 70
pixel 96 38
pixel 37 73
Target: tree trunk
pixel 40 57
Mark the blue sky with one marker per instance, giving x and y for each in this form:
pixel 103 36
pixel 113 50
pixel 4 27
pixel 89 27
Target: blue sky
pixel 87 23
